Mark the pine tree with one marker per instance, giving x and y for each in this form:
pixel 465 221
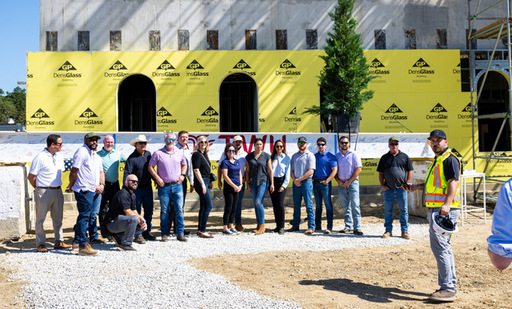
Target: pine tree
pixel 346 75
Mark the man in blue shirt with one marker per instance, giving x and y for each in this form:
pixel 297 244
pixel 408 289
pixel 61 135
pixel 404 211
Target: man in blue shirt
pixel 500 242
pixel 326 169
pixel 110 160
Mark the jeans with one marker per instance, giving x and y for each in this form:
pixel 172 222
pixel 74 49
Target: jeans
pixel 350 201
pixel 231 199
pixel 172 215
pixel 238 212
pixel 93 220
pixel 323 192
pixel 167 193
pixel 442 250
pixel 258 193
pixel 306 191
pixel 389 201
pixel 111 188
pixel 205 204
pixel 145 199
pixel 85 205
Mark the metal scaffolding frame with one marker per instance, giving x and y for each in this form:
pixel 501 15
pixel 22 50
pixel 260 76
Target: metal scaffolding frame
pixel 499 30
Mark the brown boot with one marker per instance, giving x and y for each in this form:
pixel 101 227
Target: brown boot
pixel 260 230
pixel 239 227
pixel 257 228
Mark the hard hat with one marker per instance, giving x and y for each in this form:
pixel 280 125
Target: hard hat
pixel 443 225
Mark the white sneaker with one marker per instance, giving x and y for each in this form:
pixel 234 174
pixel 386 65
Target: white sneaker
pixel 227 232
pixel 234 231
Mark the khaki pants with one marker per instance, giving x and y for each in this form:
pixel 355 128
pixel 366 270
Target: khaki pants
pixel 49 200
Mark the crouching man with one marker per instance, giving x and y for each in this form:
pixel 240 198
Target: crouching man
pixel 123 220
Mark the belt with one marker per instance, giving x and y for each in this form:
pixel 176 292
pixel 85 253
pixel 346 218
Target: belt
pixel 171 183
pixel 48 187
pixel 111 183
pixel 319 179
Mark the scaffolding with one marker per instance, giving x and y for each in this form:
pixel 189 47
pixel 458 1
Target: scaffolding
pixel 499 30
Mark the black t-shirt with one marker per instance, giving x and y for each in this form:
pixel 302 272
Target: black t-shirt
pixel 395 169
pixel 137 164
pixel 202 162
pixel 451 167
pixel 122 200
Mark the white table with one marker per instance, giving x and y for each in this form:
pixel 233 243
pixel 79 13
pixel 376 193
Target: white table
pixel 465 207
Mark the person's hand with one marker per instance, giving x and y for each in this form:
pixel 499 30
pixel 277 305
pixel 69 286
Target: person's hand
pixel 271 188
pixel 219 184
pixel 68 189
pixel 180 179
pixel 297 182
pixel 210 186
pixel 384 188
pixel 142 223
pixel 160 183
pixel 445 210
pixel 281 189
pixel 191 188
pixel 99 189
pixel 238 188
pixel 204 189
pixel 345 184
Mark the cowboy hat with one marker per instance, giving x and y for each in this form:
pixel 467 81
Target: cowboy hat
pixel 140 138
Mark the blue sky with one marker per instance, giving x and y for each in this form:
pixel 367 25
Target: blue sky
pixel 19 33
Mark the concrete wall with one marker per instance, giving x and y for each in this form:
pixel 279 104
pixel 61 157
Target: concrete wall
pixel 13 222
pixel 135 18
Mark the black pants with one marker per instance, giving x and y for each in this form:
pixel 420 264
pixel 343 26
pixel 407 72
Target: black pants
pixel 278 201
pixel 172 213
pixel 231 200
pixel 111 188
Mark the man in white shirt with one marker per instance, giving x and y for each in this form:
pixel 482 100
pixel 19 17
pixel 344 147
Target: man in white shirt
pixel 45 176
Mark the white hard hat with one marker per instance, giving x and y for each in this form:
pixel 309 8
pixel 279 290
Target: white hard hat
pixel 443 225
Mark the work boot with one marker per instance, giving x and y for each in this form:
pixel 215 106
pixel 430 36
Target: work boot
pixel 140 240
pixel 42 248
pixel 260 230
pixel 87 250
pixel 239 227
pixel 61 245
pixel 257 228
pixel 406 235
pixel 387 234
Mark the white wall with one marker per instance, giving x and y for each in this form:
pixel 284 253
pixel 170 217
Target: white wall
pixel 12 202
pixel 135 18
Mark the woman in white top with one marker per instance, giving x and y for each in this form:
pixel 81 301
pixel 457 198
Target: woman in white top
pixel 281 170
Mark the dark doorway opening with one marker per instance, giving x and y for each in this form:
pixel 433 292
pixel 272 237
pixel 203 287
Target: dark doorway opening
pixel 494 99
pixel 238 104
pixel 137 104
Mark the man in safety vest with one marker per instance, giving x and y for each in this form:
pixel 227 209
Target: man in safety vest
pixel 441 194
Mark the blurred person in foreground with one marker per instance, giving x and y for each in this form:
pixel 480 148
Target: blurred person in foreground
pixel 500 242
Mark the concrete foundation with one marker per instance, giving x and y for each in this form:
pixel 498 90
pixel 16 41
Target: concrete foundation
pixel 13 215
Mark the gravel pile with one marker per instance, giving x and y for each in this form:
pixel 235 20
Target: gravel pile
pixel 159 276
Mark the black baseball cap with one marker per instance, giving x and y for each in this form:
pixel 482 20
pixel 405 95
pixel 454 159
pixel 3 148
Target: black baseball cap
pixel 302 139
pixel 438 133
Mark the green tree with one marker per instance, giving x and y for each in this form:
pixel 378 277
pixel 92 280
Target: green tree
pixel 346 74
pixel 14 105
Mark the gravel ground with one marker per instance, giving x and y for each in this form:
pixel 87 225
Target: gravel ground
pixel 159 275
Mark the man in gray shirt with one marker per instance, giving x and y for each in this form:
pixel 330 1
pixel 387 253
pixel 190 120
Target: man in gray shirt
pixel 303 165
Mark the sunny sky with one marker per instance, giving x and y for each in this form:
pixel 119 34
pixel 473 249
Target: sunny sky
pixel 19 34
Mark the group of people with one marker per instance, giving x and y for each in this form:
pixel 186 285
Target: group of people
pixel 94 181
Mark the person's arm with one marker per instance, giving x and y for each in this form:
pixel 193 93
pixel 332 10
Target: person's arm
pixel 334 171
pixel 286 177
pixel 227 179
pixel 409 177
pixel 101 186
pixel 270 175
pixel 183 172
pixel 128 169
pixel 453 184
pixel 354 176
pixel 73 174
pixel 32 179
pixel 142 221
pixel 381 181
pixel 241 181
pixel 307 175
pixel 159 181
pixel 219 172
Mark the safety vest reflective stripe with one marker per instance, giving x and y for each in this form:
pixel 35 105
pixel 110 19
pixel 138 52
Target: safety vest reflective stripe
pixel 439 197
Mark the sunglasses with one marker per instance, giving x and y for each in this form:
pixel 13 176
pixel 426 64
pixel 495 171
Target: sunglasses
pixel 321 144
pixel 141 143
pixel 134 181
pixel 93 140
pixel 279 146
pixel 170 139
pixel 344 143
pixel 231 150
pixel 301 143
pixel 393 144
pixel 58 144
pixel 203 142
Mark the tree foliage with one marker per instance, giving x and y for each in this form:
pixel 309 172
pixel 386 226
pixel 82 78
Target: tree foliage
pixel 346 75
pixel 13 105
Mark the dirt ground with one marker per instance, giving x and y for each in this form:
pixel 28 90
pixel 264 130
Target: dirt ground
pixel 389 277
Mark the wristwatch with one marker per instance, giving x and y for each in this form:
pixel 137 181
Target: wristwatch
pixel 183 175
